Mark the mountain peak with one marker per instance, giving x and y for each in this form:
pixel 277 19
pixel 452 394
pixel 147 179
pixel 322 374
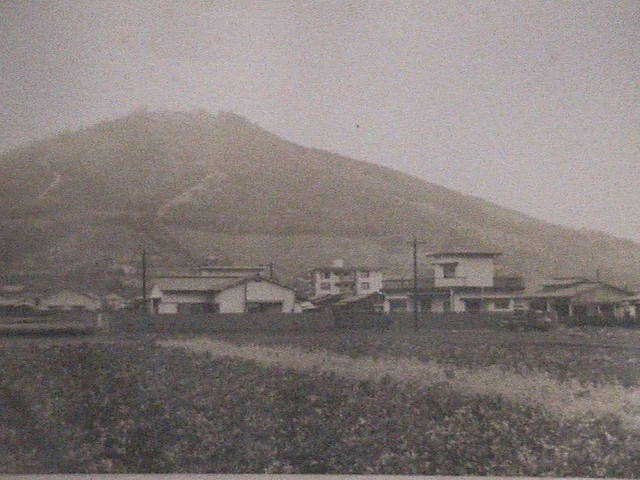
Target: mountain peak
pixel 203 181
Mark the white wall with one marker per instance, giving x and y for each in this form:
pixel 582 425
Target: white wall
pixel 232 300
pixel 167 307
pixel 169 301
pixel 319 280
pixel 470 271
pixel 374 279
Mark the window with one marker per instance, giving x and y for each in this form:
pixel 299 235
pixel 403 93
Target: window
pixel 364 286
pixel 326 275
pixel 398 305
pixel 501 304
pixel 449 270
pixel 364 274
pixel 473 305
pixel 325 286
pixel 425 305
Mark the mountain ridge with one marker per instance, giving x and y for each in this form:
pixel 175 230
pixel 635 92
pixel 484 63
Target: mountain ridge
pixel 191 181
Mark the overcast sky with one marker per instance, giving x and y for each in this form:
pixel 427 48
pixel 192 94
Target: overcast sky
pixel 532 105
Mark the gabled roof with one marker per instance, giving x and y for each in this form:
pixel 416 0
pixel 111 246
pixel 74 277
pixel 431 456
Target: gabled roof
pixel 327 299
pixel 576 289
pixel 560 282
pixel 231 267
pixel 463 253
pixel 198 283
pixel 359 298
pixel 70 297
pixel 16 300
pixel 193 283
pixel 344 270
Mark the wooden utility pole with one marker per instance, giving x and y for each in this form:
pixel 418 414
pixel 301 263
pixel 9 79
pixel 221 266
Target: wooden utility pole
pixel 416 318
pixel 144 279
pixel 415 284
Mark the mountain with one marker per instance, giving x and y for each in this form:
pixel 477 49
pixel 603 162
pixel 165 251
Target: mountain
pixel 186 185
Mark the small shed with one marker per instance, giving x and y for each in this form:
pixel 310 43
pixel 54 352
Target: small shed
pixel 68 300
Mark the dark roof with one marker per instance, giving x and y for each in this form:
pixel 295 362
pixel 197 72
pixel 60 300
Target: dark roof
pixel 353 299
pixel 343 270
pixel 231 267
pixel 198 283
pixel 194 283
pixel 463 253
pixel 575 289
pixel 327 299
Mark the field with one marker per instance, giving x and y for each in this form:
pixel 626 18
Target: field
pixel 589 355
pixel 331 403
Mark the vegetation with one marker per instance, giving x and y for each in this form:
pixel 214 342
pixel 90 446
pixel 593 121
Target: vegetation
pixel 131 407
pixel 588 355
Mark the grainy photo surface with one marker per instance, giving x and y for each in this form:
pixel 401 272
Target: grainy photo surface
pixel 338 237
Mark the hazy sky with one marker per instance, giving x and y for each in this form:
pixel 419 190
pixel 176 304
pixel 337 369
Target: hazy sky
pixel 532 105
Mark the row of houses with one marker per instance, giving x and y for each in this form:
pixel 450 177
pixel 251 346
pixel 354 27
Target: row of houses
pixel 466 281
pixel 16 301
pixel 462 281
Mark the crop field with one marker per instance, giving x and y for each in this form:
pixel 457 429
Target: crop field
pixel 345 402
pixel 588 355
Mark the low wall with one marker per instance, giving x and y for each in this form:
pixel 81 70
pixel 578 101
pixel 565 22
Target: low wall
pixel 610 321
pixel 426 321
pixel 136 322
pixel 132 322
pixel 52 317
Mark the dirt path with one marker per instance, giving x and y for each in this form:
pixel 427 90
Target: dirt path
pixel 565 399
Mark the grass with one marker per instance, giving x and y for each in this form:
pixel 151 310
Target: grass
pixel 132 407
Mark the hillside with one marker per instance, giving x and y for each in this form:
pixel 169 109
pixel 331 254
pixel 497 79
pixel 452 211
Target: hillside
pixel 191 184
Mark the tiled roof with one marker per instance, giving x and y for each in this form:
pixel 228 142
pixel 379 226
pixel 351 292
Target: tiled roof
pixel 343 270
pixel 463 253
pixel 194 283
pixel 15 300
pixel 573 290
pixel 198 283
pixel 358 298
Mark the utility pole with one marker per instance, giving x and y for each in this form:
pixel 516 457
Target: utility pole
pixel 144 279
pixel 415 283
pixel 416 318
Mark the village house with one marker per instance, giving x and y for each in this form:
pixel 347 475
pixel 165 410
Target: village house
pixel 212 269
pixel 67 300
pixel 217 294
pixel 14 301
pixel 580 297
pixel 338 280
pixel 629 307
pixel 463 281
pixel 113 301
pixel 16 304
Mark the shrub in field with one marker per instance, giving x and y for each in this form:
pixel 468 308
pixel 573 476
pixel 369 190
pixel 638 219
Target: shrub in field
pixel 133 408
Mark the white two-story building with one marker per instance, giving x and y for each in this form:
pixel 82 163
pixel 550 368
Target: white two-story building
pixel 463 281
pixel 338 279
